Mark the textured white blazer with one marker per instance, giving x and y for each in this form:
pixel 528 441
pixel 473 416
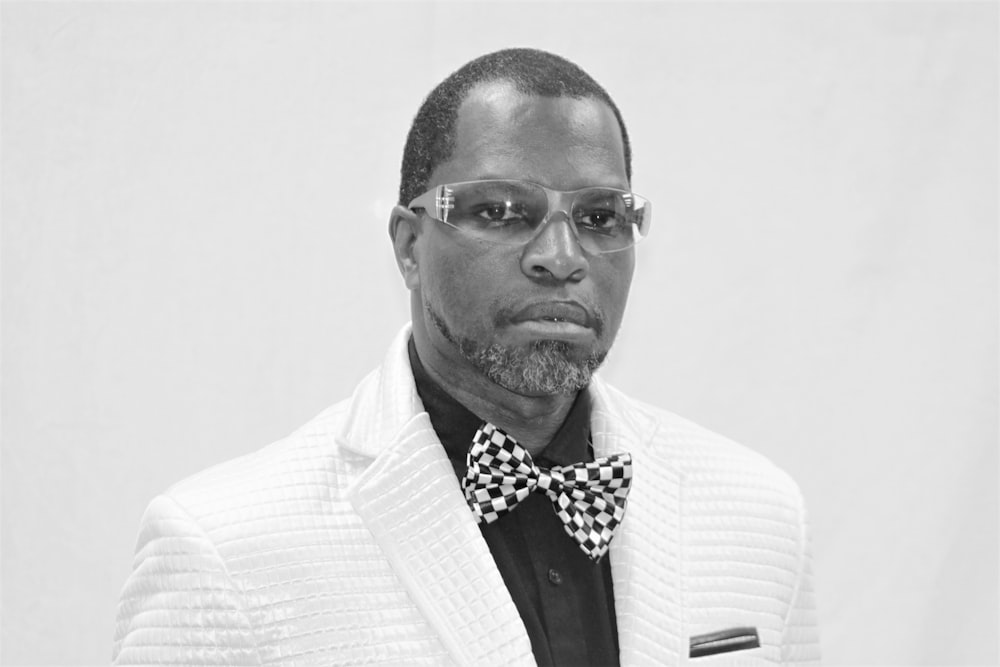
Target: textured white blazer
pixel 349 542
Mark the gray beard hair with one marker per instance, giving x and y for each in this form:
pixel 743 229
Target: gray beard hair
pixel 544 367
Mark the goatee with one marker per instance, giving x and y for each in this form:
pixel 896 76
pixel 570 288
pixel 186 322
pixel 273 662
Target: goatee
pixel 543 367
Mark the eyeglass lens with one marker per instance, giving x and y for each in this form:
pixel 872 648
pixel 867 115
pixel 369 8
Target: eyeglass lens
pixel 511 211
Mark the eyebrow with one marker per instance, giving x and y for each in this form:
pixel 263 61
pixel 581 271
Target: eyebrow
pixel 490 176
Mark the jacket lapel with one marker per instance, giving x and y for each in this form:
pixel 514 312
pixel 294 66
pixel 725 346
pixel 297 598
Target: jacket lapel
pixel 411 502
pixel 645 553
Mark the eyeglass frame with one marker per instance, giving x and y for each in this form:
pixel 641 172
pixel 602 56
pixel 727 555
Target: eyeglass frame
pixel 433 200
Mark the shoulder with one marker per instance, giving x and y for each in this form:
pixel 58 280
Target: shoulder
pixel 701 452
pixel 702 457
pixel 305 476
pixel 307 465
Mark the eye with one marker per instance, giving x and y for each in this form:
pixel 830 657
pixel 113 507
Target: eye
pixel 602 221
pixel 499 213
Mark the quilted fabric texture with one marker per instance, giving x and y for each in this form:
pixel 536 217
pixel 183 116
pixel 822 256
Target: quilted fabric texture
pixel 350 542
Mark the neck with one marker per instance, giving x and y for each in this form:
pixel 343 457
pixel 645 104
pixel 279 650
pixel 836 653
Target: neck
pixel 532 420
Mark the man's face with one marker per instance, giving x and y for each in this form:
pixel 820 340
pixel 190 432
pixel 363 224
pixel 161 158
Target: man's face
pixel 536 319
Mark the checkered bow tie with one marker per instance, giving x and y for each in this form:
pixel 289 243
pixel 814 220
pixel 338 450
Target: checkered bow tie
pixel 589 498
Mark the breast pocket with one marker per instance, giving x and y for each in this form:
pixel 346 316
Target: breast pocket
pixel 724 641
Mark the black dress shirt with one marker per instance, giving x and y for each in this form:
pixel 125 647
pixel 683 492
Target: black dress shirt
pixel 565 600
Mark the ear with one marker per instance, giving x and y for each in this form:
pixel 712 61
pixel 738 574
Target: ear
pixel 404 226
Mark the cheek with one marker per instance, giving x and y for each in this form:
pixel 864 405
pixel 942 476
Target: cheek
pixel 457 278
pixel 615 288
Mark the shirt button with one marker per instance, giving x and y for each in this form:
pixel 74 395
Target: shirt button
pixel 554 576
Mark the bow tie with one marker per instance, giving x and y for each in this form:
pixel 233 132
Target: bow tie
pixel 589 498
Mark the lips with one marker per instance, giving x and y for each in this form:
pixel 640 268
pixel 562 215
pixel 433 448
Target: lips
pixel 555 311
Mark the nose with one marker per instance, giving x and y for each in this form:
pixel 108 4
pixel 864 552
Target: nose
pixel 554 254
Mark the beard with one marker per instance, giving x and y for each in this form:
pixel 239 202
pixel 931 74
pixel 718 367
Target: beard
pixel 542 367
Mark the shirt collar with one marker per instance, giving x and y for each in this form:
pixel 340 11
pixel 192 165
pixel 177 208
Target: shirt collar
pixel 455 424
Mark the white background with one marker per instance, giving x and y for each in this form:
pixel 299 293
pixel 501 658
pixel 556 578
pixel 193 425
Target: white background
pixel 195 261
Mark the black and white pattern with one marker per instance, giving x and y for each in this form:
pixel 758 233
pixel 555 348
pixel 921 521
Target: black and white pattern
pixel 589 498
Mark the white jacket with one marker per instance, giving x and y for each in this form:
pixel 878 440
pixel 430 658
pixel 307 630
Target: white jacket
pixel 350 542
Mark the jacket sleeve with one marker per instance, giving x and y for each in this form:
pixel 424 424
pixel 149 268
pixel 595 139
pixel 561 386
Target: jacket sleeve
pixel 180 605
pixel 800 638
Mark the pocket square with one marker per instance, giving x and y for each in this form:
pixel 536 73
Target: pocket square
pixel 724 641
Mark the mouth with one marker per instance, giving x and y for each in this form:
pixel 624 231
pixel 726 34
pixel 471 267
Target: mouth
pixel 558 319
pixel 555 311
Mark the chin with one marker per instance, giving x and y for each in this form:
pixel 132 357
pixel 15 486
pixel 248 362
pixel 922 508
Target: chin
pixel 544 367
pixel 526 366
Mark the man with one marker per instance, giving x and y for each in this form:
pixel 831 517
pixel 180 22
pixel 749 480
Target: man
pixel 621 533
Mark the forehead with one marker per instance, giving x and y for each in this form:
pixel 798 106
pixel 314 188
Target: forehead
pixel 561 142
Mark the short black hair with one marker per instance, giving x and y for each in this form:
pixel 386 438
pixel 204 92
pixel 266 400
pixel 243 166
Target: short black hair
pixel 432 136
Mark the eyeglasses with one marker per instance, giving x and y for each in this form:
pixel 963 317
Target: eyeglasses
pixel 511 212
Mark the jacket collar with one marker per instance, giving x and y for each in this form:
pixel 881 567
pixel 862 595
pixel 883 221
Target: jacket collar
pixel 411 502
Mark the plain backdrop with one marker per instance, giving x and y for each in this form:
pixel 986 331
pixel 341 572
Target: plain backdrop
pixel 195 262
